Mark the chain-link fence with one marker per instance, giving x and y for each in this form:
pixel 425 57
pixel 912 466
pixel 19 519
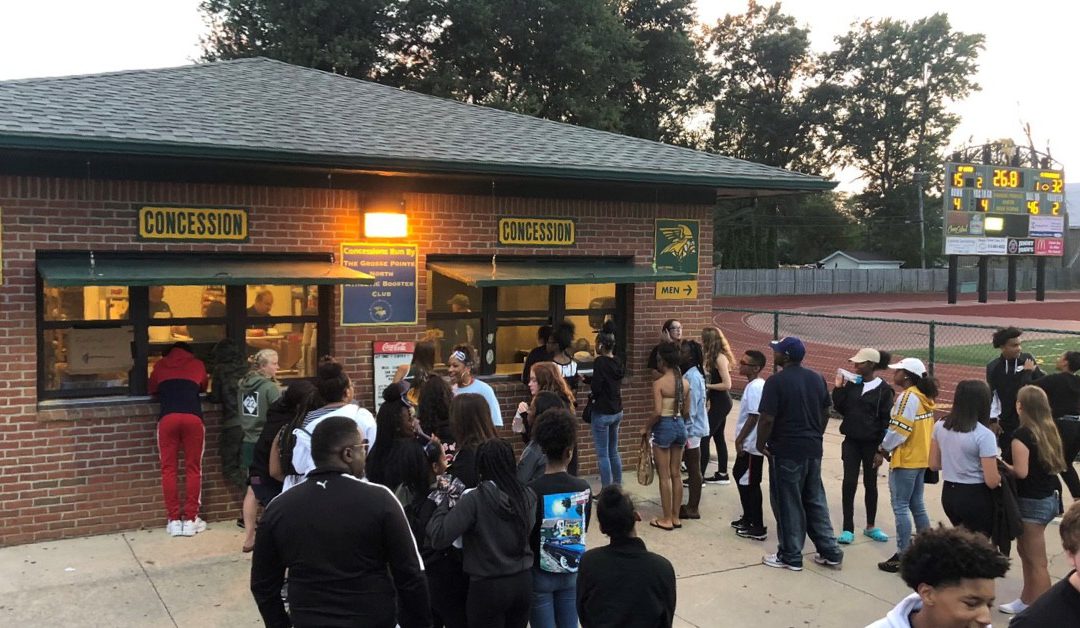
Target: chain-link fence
pixel 952 351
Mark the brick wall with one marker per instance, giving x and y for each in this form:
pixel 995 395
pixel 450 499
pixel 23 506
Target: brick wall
pixel 89 470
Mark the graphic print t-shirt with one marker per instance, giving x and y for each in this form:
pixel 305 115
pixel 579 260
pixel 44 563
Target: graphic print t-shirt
pixel 558 538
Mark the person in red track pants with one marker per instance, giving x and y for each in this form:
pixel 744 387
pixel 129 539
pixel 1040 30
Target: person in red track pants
pixel 177 380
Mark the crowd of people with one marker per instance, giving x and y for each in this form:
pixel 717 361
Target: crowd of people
pixel 465 533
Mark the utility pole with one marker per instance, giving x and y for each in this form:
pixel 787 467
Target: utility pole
pixel 921 179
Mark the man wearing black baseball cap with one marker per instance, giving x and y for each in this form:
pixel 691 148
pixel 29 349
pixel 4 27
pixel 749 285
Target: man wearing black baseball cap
pixel 792 419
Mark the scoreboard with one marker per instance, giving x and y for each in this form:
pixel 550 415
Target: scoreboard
pixel 1004 210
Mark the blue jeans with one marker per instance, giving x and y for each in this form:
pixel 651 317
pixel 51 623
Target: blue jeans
pixel 799 504
pixel 605 433
pixel 906 494
pixel 554 600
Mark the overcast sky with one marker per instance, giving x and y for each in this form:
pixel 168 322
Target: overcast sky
pixel 1031 49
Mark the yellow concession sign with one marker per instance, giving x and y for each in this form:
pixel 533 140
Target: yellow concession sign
pixel 537 232
pixel 193 224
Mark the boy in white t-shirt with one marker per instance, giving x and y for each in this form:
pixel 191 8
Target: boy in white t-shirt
pixel 748 460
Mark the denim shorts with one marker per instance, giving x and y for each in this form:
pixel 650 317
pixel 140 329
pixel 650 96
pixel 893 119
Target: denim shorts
pixel 1039 511
pixel 669 432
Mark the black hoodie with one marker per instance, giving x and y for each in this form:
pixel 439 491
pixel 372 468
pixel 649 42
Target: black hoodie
pixel 496 538
pixel 866 416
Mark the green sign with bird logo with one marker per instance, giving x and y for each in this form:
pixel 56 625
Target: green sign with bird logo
pixel 677 245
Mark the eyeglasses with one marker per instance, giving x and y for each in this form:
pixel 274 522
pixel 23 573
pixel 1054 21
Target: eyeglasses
pixel 363 443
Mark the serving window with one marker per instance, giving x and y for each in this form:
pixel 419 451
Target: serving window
pixel 105 340
pixel 501 321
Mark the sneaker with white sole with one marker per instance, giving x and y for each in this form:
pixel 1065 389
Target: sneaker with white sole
pixel 175 528
pixel 773 560
pixel 828 562
pixel 191 528
pixel 757 533
pixel 718 478
pixel 1012 608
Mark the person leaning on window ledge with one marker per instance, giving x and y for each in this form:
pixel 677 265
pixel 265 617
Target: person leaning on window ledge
pixel 177 380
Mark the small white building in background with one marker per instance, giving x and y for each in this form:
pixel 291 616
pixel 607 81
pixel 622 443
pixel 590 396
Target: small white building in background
pixel 861 260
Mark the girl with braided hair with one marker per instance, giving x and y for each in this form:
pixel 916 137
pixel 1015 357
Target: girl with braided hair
pixel 494 522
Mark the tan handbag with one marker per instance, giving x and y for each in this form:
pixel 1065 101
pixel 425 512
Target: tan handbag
pixel 646 470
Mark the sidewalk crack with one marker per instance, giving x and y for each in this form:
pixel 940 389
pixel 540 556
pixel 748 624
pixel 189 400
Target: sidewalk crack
pixel 150 580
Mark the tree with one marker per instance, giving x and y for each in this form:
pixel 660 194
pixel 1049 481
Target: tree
pixel 669 58
pixel 557 59
pixel 886 89
pixel 761 67
pixel 348 37
pixel 760 62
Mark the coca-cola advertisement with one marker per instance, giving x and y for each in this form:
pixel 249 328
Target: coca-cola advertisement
pixel 388 356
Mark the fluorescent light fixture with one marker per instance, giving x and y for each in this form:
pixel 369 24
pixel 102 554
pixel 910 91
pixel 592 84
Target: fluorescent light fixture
pixel 994 223
pixel 385 225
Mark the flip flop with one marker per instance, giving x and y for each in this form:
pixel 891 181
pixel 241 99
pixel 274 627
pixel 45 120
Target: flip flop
pixel 654 523
pixel 676 525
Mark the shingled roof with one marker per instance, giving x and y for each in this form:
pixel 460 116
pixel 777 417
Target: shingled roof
pixel 269 111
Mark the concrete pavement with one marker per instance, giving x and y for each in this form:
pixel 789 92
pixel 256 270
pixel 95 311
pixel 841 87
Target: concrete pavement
pixel 146 578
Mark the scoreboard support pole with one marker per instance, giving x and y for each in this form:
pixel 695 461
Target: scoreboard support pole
pixel 983 278
pixel 1011 286
pixel 954 276
pixel 1040 278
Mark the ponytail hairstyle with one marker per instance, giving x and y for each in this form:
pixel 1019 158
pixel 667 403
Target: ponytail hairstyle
pixel 716 344
pixel 331 380
pixel 605 339
pixel 495 464
pixel 883 361
pixel 615 512
pixel 693 357
pixel 926 384
pixel 670 355
pixel 1036 416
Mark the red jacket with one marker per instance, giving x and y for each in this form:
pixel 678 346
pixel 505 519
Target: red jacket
pixel 177 380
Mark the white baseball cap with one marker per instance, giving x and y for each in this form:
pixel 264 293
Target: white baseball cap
pixel 914 366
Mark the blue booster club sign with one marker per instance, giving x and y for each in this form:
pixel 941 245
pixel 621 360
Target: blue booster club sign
pixel 391 300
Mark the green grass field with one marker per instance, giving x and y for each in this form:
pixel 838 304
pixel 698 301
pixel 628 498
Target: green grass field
pixel 1046 352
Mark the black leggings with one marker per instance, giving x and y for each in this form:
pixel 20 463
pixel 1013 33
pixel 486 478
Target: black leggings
pixel 501 602
pixel 856 454
pixel 969 505
pixel 749 495
pixel 719 407
pixel 1070 442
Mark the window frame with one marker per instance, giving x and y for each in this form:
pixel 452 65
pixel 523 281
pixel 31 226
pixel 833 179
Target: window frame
pixel 236 322
pixel 491 318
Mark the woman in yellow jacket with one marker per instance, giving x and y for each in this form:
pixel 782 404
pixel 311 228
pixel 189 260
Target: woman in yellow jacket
pixel 907 447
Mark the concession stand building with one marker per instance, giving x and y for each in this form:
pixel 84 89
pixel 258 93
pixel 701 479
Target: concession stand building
pixel 314 214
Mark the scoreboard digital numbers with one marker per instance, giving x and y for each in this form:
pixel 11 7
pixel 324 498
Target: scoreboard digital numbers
pixel 1004 210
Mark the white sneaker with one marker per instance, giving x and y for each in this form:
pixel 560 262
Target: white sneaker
pixel 175 528
pixel 773 560
pixel 1012 608
pixel 191 528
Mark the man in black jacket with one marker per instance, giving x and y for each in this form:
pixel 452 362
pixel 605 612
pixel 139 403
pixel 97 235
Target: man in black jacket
pixel 1006 375
pixel 337 534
